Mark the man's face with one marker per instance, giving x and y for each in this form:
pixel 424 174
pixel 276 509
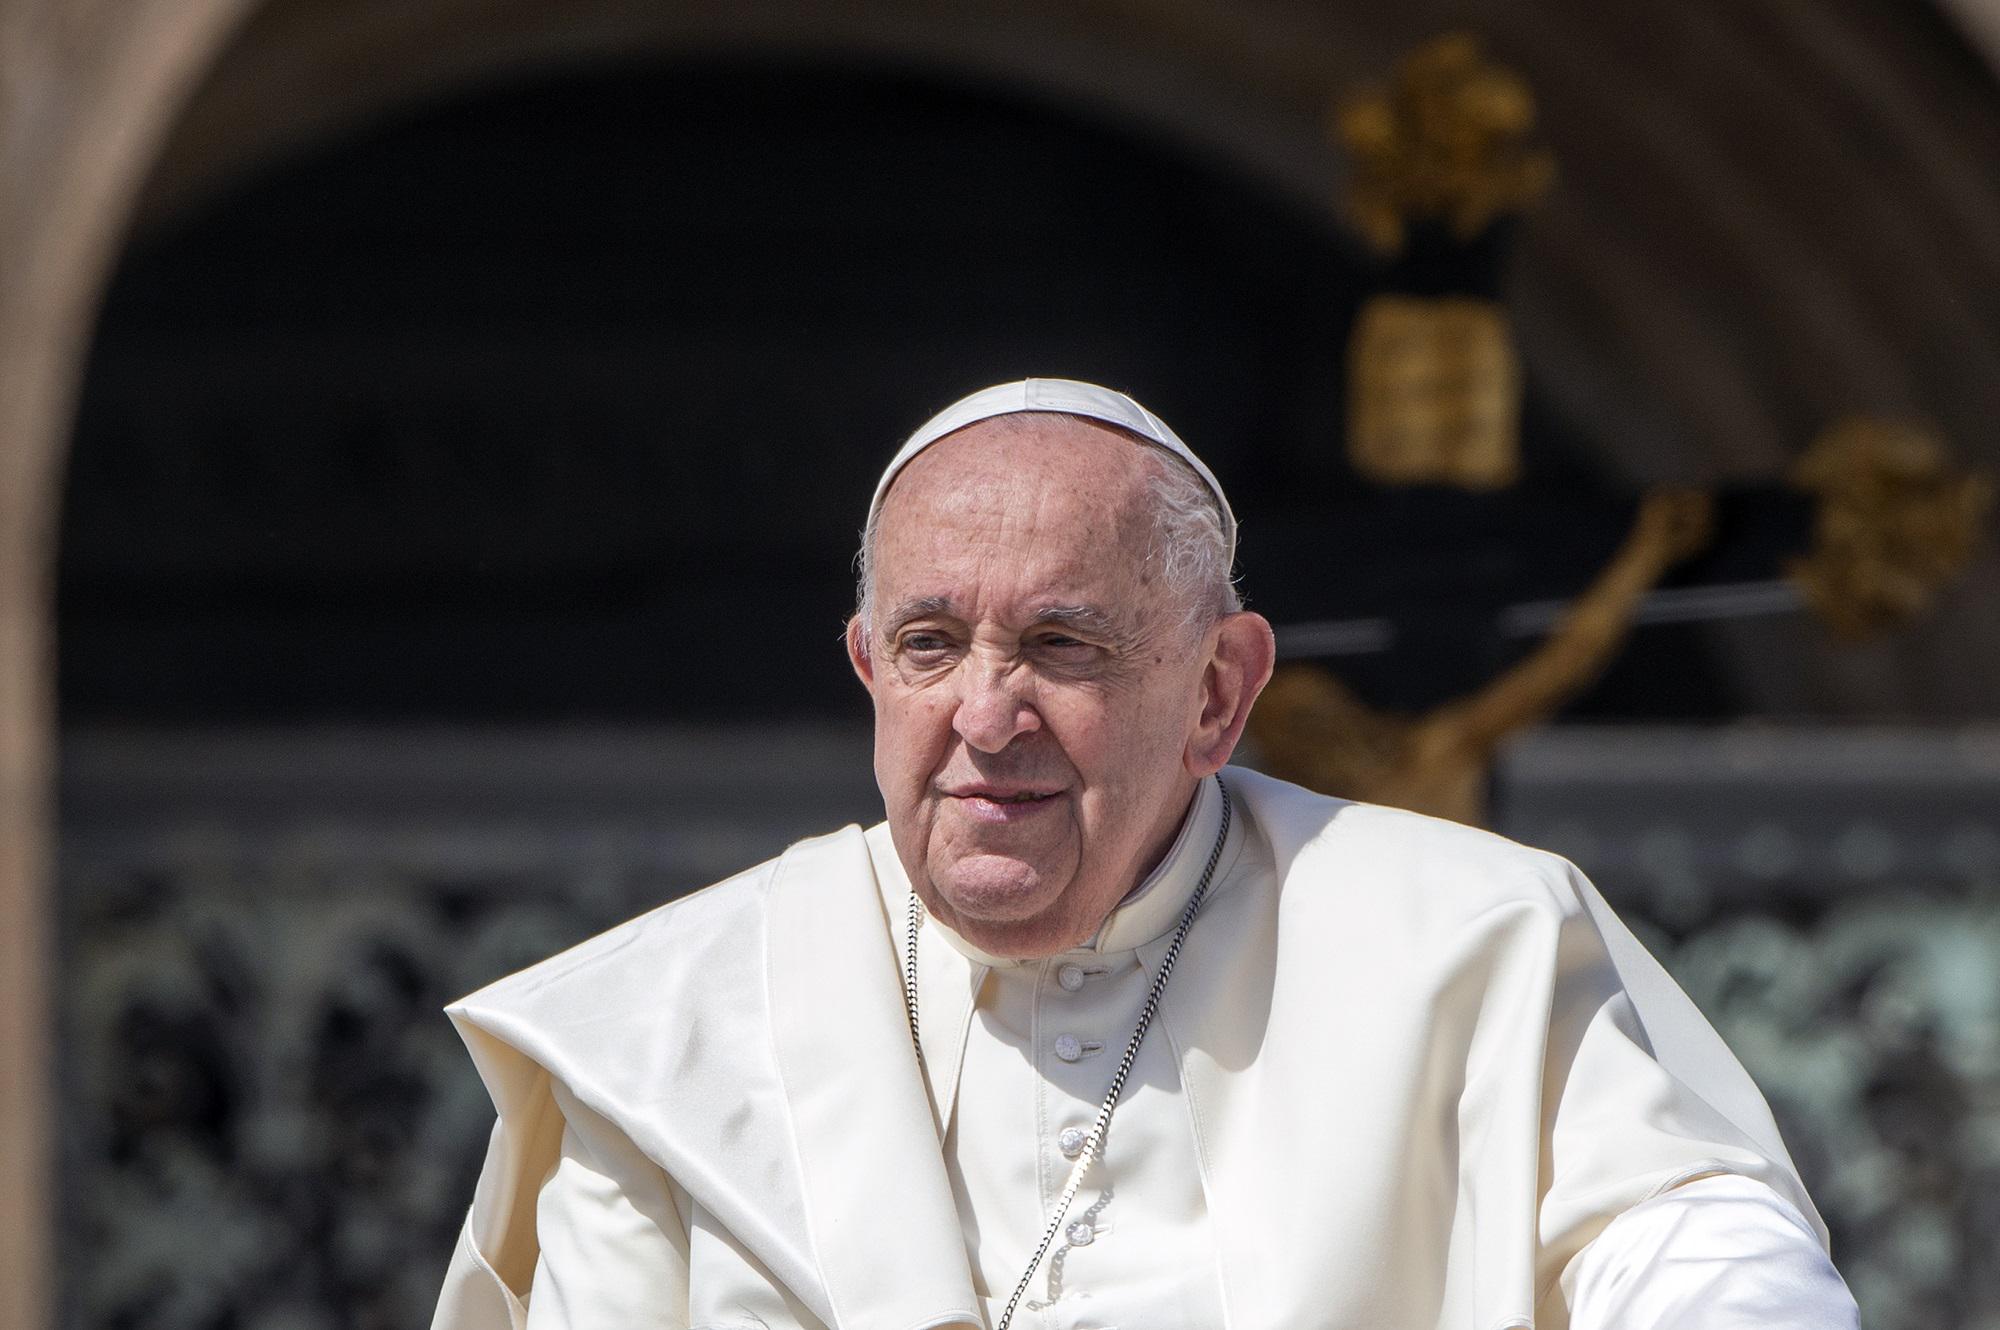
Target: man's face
pixel 1035 684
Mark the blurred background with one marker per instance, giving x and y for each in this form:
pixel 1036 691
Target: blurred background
pixel 434 437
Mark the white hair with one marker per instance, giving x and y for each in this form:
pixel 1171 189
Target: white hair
pixel 1189 545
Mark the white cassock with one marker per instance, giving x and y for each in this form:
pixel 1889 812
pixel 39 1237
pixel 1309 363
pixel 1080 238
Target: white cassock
pixel 1406 1074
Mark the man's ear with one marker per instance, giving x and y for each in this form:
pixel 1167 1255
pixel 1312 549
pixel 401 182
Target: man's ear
pixel 1242 653
pixel 857 653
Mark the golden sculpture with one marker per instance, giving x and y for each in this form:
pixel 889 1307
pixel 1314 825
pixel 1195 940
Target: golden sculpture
pixel 1896 521
pixel 1434 387
pixel 1311 728
pixel 1434 393
pixel 1434 397
pixel 1447 139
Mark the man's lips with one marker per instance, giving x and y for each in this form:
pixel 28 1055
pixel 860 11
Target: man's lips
pixel 1001 794
pixel 1002 803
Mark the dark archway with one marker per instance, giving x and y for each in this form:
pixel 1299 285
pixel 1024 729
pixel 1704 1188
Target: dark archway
pixel 563 400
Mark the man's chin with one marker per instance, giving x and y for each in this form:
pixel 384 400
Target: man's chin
pixel 1030 935
pixel 996 891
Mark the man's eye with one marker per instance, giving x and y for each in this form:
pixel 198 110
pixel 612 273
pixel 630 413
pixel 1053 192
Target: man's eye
pixel 924 643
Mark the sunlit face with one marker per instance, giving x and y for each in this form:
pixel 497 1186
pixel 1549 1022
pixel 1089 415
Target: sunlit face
pixel 1036 687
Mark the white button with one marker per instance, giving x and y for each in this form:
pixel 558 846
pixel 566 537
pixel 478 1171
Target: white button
pixel 1081 1234
pixel 1071 1140
pixel 1070 977
pixel 1068 1047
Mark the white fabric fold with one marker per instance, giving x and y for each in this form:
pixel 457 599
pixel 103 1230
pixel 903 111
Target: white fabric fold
pixel 1719 1253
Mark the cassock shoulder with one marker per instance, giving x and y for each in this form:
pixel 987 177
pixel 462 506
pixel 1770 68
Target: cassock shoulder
pixel 1391 861
pixel 662 1028
pixel 619 1016
pixel 701 930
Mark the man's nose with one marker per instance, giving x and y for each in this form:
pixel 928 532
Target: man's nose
pixel 994 707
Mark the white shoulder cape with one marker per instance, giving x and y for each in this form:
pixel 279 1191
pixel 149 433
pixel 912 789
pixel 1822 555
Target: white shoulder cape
pixel 1423 1072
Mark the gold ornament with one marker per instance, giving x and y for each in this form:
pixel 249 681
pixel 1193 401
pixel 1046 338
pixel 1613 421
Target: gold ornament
pixel 1310 728
pixel 1434 393
pixel 1896 521
pixel 1446 139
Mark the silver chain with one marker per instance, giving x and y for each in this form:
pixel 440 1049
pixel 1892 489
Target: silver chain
pixel 916 913
pixel 1093 1144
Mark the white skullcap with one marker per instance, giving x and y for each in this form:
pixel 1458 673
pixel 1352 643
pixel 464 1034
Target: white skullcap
pixel 1070 398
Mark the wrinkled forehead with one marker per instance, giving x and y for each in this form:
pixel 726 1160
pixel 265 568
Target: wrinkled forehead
pixel 1012 517
pixel 1028 502
pixel 1066 397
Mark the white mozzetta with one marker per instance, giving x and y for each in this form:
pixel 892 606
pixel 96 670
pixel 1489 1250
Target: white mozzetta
pixel 1404 1074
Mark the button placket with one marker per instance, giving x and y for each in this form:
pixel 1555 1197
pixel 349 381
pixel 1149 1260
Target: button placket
pixel 1045 1001
pixel 1069 994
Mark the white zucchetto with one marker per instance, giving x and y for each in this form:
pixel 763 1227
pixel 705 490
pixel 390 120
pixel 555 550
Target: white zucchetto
pixel 1066 397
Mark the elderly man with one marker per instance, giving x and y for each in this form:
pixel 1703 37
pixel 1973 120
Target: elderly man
pixel 1097 1031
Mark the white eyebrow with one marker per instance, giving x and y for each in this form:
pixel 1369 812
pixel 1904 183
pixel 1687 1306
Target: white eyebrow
pixel 1087 617
pixel 916 608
